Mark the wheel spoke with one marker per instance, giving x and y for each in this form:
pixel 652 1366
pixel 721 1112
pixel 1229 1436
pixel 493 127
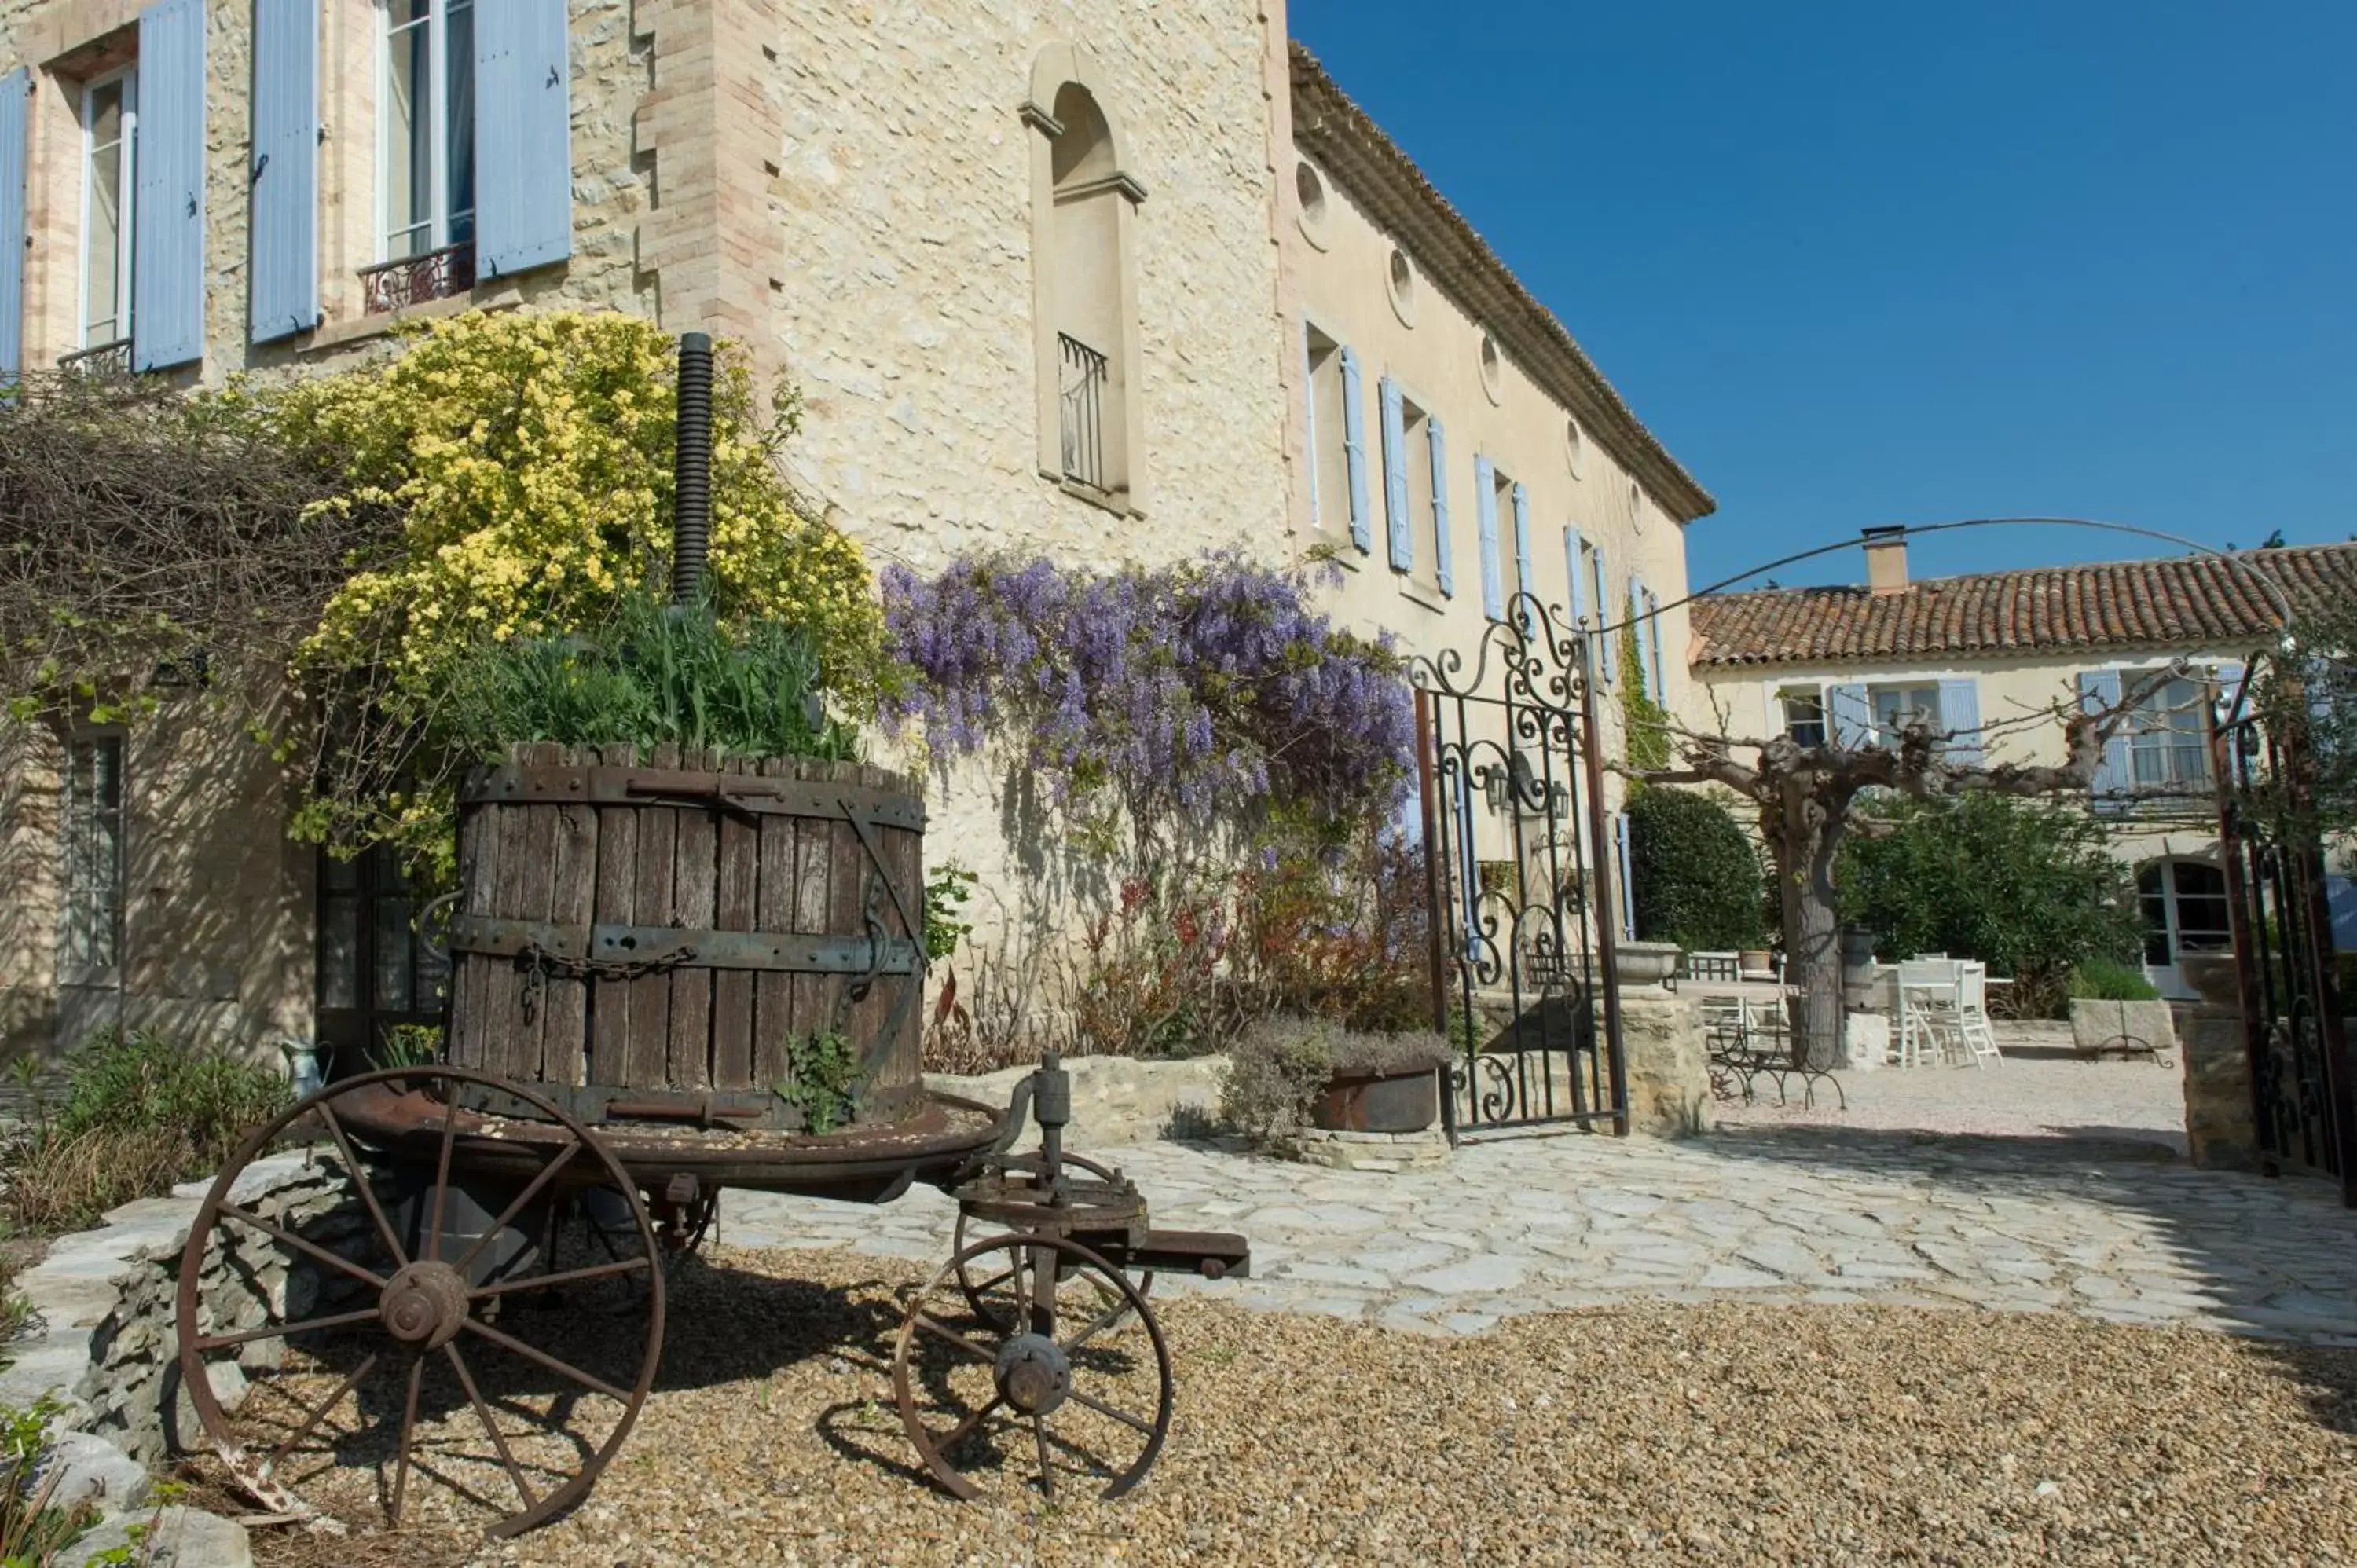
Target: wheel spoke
pixel 957 1435
pixel 926 1321
pixel 543 1358
pixel 285 1331
pixel 571 1276
pixel 1039 1441
pixel 312 1422
pixel 994 1281
pixel 483 1414
pixel 1120 1415
pixel 360 1179
pixel 548 1173
pixel 442 1176
pixel 310 1250
pixel 408 1430
pixel 1098 1325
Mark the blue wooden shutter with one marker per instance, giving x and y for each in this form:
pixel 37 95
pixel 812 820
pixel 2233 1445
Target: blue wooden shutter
pixel 1523 557
pixel 1395 477
pixel 523 136
pixel 1628 890
pixel 1653 642
pixel 1485 509
pixel 1636 622
pixel 1960 714
pixel 2341 901
pixel 1848 717
pixel 1310 410
pixel 1441 557
pixel 2099 691
pixel 168 214
pixel 284 256
pixel 1607 650
pixel 15 95
pixel 1577 603
pixel 1354 453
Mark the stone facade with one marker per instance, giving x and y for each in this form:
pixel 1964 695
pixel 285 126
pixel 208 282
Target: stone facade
pixel 857 197
pixel 1668 1066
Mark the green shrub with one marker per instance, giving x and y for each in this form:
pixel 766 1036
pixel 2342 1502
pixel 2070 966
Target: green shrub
pixel 32 1532
pixel 1695 876
pixel 2028 887
pixel 1274 1070
pixel 140 1115
pixel 654 674
pixel 2102 980
pixel 947 893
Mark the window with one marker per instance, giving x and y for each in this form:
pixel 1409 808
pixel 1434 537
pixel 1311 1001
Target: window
pixel 427 127
pixel 110 120
pixel 1607 646
pixel 1415 424
pixel 1514 563
pixel 2168 739
pixel 373 971
pixel 1330 454
pixel 90 931
pixel 2184 907
pixel 1310 192
pixel 1896 707
pixel 1804 716
pixel 1399 282
pixel 1090 418
pixel 1493 374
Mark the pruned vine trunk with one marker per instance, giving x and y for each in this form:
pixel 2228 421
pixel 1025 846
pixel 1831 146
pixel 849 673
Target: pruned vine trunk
pixel 1805 850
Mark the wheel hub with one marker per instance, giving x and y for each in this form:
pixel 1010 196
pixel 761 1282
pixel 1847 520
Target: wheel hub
pixel 424 1304
pixel 1034 1373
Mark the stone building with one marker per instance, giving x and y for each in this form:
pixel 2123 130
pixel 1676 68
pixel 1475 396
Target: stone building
pixel 1996 658
pixel 1041 272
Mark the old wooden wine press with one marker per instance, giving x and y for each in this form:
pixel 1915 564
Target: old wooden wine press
pixel 670 975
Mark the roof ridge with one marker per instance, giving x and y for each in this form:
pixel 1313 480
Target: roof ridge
pixel 2253 555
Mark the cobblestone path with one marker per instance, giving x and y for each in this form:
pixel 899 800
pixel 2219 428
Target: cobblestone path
pixel 1797 1214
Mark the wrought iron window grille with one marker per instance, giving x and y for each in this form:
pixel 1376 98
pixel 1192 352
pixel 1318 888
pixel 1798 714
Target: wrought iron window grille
pixel 1081 397
pixel 106 360
pixel 414 280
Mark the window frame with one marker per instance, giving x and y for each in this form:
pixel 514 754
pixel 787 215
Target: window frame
pixel 1422 514
pixel 436 108
pixel 1788 698
pixel 1888 736
pixel 1325 487
pixel 71 825
pixel 2168 733
pixel 126 203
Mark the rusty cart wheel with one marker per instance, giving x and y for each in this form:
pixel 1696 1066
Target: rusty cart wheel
pixel 990 1294
pixel 1078 1386
pixel 420 1361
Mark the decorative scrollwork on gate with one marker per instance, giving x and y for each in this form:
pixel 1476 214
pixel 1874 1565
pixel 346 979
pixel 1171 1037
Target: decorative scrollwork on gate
pixel 1513 834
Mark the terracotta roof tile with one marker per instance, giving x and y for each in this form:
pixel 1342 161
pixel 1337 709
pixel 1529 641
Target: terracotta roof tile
pixel 2184 601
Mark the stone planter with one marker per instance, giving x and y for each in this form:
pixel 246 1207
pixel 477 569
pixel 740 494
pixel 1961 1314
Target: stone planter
pixel 1755 960
pixel 1644 964
pixel 2213 975
pixel 1378 1102
pixel 2124 1029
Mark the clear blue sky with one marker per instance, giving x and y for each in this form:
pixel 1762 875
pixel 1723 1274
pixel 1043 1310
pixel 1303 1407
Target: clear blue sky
pixel 1880 260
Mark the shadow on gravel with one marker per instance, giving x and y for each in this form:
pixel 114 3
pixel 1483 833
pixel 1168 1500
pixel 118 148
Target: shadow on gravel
pixel 723 1325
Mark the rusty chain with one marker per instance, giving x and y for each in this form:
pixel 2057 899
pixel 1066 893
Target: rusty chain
pixel 539 965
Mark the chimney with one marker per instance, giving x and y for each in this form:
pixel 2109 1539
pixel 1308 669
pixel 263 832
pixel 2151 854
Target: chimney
pixel 1886 561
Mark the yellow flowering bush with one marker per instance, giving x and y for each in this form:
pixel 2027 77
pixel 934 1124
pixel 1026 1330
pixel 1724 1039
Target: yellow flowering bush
pixel 528 458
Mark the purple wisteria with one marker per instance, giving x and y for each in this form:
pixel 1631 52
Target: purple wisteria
pixel 1208 685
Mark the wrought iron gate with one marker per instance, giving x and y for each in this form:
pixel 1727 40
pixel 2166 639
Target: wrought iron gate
pixel 1517 859
pixel 2273 860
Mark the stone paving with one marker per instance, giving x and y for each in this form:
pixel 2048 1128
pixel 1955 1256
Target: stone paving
pixel 2116 1231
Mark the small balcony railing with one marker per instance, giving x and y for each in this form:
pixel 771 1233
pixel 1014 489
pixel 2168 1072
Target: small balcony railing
pixel 1082 392
pixel 99 360
pixel 414 280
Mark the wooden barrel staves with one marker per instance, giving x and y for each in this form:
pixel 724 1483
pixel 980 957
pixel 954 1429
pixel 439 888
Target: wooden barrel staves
pixel 729 944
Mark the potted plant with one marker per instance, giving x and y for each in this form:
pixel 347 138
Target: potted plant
pixel 1644 964
pixel 1288 1072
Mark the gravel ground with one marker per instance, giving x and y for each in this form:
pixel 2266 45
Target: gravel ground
pixel 2043 1089
pixel 1656 1433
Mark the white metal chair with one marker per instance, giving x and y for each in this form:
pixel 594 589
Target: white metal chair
pixel 1972 1014
pixel 1929 1027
